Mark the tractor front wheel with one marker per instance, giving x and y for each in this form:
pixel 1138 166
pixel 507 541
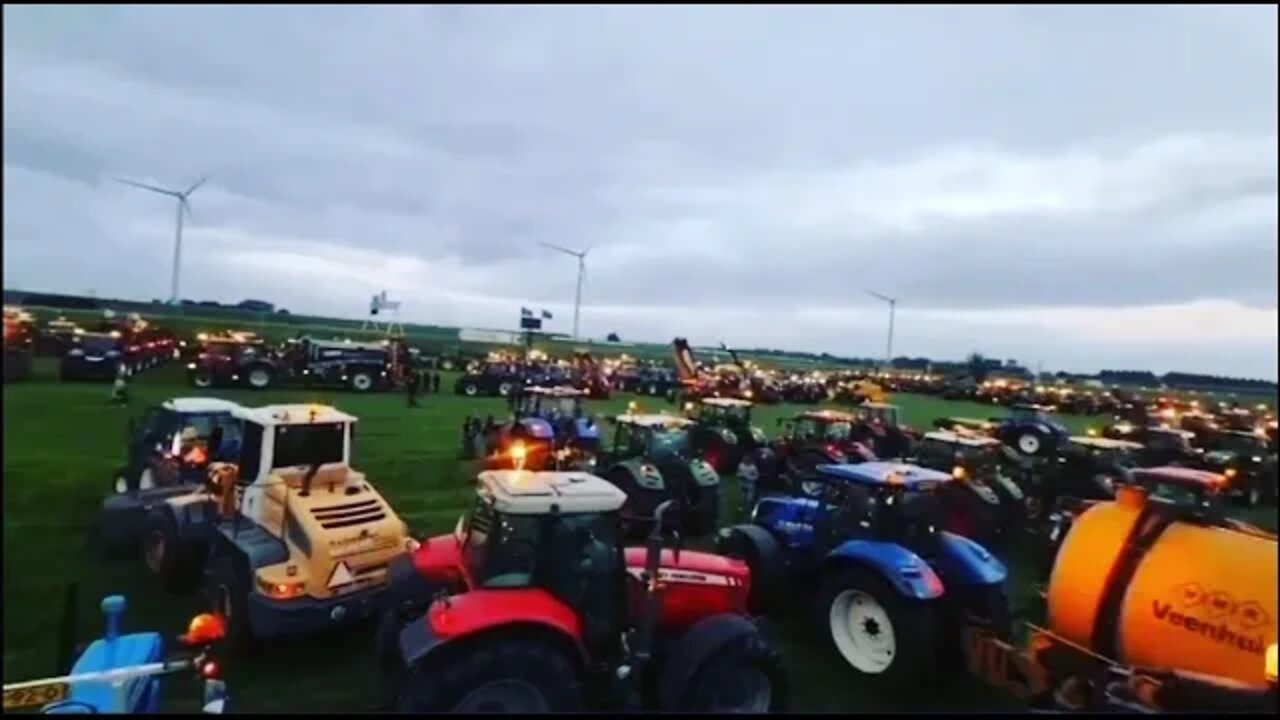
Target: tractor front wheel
pixel 878 632
pixel 202 379
pixel 1030 442
pixel 166 556
pixel 497 676
pixel 361 381
pixel 745 676
pixel 227 592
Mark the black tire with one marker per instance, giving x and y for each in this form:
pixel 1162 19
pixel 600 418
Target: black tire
pixel 538 669
pixel 202 379
pixel 470 389
pixel 361 381
pixel 766 563
pixel 391 668
pixel 703 514
pixel 259 377
pixel 227 593
pixel 505 388
pixel 914 625
pixel 712 688
pixel 174 562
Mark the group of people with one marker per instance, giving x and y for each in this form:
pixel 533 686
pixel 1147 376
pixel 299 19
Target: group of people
pixel 417 381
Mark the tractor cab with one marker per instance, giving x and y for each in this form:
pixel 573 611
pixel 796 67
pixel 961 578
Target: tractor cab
pixel 1248 463
pixel 878 425
pixel 887 501
pixel 652 436
pixel 1198 491
pixel 722 433
pixel 549 431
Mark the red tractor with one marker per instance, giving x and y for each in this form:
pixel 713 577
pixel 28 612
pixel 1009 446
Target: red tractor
pixel 534 605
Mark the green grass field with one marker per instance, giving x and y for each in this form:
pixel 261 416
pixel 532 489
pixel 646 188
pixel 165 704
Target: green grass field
pixel 62 441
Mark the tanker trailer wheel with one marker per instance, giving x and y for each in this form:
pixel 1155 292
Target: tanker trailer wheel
pixel 259 378
pixel 505 388
pixel 361 381
pixel 878 632
pixel 165 555
pixel 470 389
pixel 1030 443
pixel 496 675
pixel 744 676
pixel 202 379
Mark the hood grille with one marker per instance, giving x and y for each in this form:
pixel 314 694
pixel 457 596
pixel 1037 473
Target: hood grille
pixel 348 514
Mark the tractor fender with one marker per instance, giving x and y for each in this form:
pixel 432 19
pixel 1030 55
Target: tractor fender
pixel 703 474
pixel 964 562
pixel 192 515
pixel 907 572
pixel 693 648
pixel 769 570
pixel 482 612
pixel 635 467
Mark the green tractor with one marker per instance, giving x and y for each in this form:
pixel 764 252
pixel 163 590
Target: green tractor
pixel 722 435
pixel 651 461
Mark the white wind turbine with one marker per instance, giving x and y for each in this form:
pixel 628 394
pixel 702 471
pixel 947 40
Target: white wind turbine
pixel 582 270
pixel 183 207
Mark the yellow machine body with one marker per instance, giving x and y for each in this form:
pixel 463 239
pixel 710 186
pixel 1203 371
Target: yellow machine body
pixel 1199 598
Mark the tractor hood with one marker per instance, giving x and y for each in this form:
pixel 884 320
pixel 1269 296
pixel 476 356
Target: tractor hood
pixel 586 429
pixel 538 428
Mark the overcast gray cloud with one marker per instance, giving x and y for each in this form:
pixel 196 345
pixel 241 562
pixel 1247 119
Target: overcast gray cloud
pixel 1080 186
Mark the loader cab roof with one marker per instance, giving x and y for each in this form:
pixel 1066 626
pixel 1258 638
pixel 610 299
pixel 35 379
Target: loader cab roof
pixel 726 402
pixel 200 405
pixel 296 414
pixel 911 477
pixel 653 421
pixel 560 391
pixel 524 492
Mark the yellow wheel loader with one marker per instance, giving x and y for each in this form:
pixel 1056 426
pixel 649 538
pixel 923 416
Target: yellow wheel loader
pixel 288 540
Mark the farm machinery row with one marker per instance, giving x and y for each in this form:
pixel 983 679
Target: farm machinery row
pixel 115 345
pixel 241 359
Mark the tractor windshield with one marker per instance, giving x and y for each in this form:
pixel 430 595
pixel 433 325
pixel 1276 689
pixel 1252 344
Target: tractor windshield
pixel 1241 444
pixel 500 548
pixel 668 443
pixel 309 444
pixel 562 407
pixel 731 415
pixel 886 416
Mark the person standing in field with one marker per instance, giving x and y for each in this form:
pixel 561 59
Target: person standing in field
pixel 120 388
pixel 411 386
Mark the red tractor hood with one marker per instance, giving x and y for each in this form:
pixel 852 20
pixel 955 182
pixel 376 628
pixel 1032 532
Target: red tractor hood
pixel 698 586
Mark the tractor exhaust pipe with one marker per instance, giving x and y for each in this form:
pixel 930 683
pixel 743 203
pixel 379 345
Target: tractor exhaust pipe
pixel 640 643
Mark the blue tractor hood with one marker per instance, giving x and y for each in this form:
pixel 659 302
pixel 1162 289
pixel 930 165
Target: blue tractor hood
pixel 113 652
pixel 538 428
pixel 586 429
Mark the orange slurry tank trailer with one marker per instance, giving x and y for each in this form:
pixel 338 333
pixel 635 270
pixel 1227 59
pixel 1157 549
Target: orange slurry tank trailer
pixel 1180 595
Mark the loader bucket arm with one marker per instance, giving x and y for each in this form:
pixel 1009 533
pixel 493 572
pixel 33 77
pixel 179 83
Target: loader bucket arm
pixel 686 368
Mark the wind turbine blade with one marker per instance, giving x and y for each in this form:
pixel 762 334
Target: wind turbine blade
pixel 186 207
pixel 198 184
pixel 145 186
pixel 877 295
pixel 557 248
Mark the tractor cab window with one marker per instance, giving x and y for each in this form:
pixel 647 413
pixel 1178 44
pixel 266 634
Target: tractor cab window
pixel 733 415
pixel 668 443
pixel 501 549
pixel 98 344
pixel 307 445
pixel 563 407
pixel 629 440
pixel 1240 444
pixel 886 416
pixel 1026 414
pixel 159 425
pixel 910 517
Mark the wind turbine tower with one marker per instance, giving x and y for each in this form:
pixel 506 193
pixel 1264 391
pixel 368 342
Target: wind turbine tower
pixel 183 207
pixel 582 271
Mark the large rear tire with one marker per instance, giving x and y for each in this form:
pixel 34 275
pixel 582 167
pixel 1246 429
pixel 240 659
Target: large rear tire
pixel 202 379
pixel 509 675
pixel 765 561
pixel 258 378
pixel 227 592
pixel 362 381
pixel 875 630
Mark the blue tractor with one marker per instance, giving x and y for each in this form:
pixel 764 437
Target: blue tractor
pixel 893 591
pixel 121 674
pixel 550 430
pixel 1031 430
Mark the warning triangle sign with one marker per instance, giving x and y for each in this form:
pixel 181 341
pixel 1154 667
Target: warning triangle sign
pixel 341 575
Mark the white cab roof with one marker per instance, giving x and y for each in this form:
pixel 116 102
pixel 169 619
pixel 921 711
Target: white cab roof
pixel 726 402
pixel 948 436
pixel 558 391
pixel 200 405
pixel 299 414
pixel 524 492
pixel 653 420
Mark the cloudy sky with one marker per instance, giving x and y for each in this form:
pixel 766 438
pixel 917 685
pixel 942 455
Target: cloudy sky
pixel 1083 187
